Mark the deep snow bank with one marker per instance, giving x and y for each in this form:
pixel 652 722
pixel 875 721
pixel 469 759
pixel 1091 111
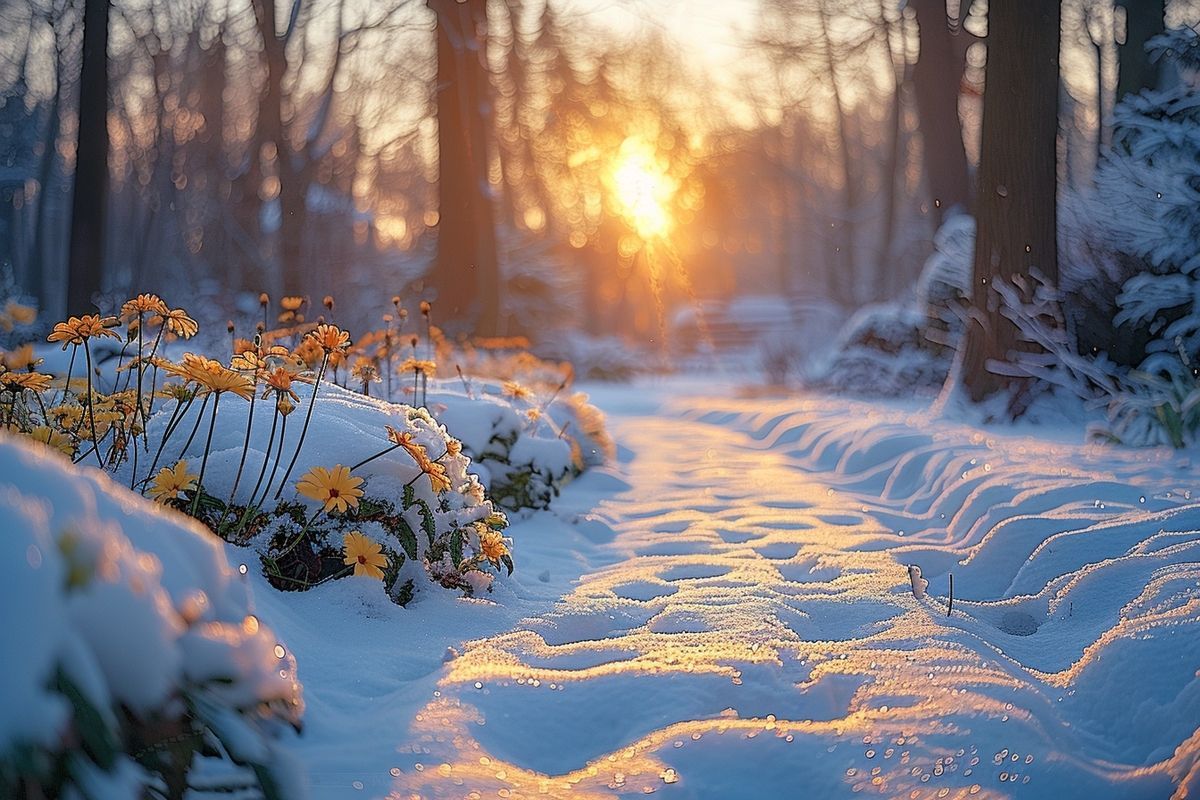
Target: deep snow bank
pixel 126 627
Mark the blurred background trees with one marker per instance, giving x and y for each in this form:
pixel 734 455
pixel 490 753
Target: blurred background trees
pixel 532 165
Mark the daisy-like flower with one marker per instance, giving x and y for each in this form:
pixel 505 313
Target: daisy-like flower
pixel 171 482
pixel 491 543
pixel 516 391
pixel 54 439
pixel 425 367
pixel 143 304
pixel 178 323
pixel 280 380
pixel 77 330
pixel 19 381
pixel 222 379
pixel 364 554
pixel 364 371
pixel 436 471
pixel 331 338
pixel 309 351
pixel 67 416
pixel 333 488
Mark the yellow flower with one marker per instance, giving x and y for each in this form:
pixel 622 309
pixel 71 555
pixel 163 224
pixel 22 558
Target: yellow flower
pixel 211 376
pixel 52 438
pixel 77 330
pixel 291 303
pixel 67 416
pixel 143 304
pixel 366 555
pixel 516 391
pixel 172 482
pixel 438 478
pixel 364 371
pixel 309 351
pixel 453 447
pixel 426 368
pixel 177 322
pixel 331 338
pixel 18 381
pixel 491 544
pixel 335 488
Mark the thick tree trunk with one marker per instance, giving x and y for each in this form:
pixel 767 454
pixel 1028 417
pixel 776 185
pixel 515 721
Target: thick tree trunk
pixel 936 78
pixel 85 262
pixel 1017 205
pixel 1144 19
pixel 466 273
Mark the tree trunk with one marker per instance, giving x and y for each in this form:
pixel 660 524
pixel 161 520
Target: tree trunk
pixel 846 228
pixel 936 78
pixel 466 272
pixel 85 262
pixel 1144 19
pixel 1017 181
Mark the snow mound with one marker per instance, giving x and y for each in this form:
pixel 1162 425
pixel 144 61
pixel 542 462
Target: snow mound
pixel 133 630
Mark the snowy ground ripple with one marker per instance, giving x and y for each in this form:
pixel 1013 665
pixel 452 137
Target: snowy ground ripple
pixel 750 630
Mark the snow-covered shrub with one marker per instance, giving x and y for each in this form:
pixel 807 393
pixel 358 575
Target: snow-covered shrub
pixel 906 348
pixel 130 652
pixel 526 443
pixel 1132 251
pixel 885 350
pixel 239 448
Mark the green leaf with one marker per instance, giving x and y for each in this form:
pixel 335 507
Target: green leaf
pixel 407 537
pixel 409 496
pixel 428 523
pixel 456 547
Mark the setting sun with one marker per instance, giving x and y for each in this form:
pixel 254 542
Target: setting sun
pixel 643 188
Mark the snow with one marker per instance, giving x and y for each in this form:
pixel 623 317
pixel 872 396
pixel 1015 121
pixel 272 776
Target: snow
pixel 138 607
pixel 727 610
pixel 753 595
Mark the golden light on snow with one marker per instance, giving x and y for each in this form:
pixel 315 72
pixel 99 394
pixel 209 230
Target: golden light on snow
pixel 643 188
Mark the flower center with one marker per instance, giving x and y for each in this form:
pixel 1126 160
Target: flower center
pixel 362 559
pixel 333 492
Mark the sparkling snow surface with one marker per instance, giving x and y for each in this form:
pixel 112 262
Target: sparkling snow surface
pixel 727 612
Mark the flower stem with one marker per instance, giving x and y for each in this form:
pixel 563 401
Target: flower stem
pixel 87 351
pixel 212 425
pixel 380 454
pixel 196 427
pixel 312 402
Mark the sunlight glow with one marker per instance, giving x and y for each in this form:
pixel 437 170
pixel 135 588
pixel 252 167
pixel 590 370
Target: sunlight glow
pixel 643 188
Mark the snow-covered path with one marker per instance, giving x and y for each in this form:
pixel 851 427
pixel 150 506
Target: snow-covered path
pixel 742 625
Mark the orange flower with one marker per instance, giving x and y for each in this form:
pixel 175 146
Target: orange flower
pixel 366 555
pixel 331 338
pixel 334 489
pixel 19 381
pixel 77 330
pixel 53 439
pixel 178 323
pixel 21 358
pixel 143 304
pixel 438 478
pixel 491 543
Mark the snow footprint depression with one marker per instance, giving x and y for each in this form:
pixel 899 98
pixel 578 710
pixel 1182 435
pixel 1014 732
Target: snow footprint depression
pixel 751 630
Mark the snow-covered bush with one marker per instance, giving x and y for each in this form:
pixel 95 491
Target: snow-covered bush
pixel 1131 250
pixel 906 348
pixel 130 652
pixel 527 442
pixel 240 448
pixel 1122 330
